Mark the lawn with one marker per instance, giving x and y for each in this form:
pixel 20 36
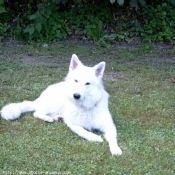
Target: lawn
pixel 140 79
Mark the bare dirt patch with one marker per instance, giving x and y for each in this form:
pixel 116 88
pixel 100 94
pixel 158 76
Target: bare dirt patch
pixel 113 76
pixel 44 61
pixel 57 61
pixel 154 60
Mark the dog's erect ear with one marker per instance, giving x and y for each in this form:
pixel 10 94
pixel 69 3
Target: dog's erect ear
pixel 99 69
pixel 74 62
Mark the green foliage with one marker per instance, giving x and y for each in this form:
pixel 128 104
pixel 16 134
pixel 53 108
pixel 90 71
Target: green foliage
pixel 133 3
pixel 46 24
pixel 95 32
pixel 159 23
pixel 120 2
pixel 102 22
pixel 2 9
pixel 3 27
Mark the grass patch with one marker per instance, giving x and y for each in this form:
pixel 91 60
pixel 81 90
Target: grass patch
pixel 141 82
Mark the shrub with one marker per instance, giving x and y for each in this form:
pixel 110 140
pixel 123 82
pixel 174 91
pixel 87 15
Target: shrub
pixel 100 21
pixel 3 26
pixel 159 23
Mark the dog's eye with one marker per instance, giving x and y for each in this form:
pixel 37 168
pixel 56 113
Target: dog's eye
pixel 87 83
pixel 76 81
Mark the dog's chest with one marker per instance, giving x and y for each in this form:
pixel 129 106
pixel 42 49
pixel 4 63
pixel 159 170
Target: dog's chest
pixel 84 117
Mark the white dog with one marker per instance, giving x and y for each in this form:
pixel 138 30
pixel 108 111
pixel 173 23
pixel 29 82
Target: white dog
pixel 80 100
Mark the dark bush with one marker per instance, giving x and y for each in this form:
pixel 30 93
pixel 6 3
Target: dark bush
pixel 100 21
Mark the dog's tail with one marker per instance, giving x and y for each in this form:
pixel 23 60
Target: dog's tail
pixel 13 111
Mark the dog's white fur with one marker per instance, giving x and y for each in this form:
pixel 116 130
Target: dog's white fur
pixel 81 100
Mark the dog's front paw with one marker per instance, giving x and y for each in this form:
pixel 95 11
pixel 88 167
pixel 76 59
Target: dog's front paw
pixel 58 118
pixel 116 151
pixel 49 120
pixel 96 138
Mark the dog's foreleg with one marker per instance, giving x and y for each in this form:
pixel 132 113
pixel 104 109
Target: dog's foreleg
pixel 110 135
pixel 43 116
pixel 84 133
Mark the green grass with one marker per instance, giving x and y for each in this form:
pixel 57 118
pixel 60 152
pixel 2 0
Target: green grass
pixel 142 102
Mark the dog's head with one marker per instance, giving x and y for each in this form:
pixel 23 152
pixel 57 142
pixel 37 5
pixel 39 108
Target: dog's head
pixel 85 82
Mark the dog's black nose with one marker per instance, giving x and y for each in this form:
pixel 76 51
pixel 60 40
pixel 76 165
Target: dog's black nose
pixel 77 96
